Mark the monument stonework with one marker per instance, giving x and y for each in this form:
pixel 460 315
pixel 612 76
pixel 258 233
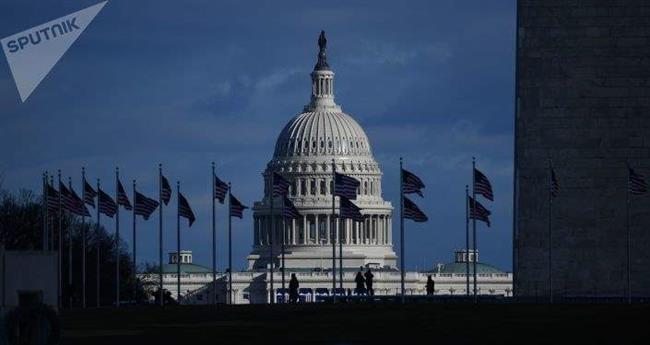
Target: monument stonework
pixel 582 103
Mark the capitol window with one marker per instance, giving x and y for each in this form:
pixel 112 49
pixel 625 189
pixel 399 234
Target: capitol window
pixel 303 187
pixel 312 190
pixel 294 187
pixel 322 187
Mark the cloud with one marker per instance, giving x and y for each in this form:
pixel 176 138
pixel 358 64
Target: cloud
pixel 392 53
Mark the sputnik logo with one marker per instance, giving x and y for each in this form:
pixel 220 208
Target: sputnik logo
pixel 31 54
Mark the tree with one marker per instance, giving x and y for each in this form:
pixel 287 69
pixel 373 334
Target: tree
pixel 21 228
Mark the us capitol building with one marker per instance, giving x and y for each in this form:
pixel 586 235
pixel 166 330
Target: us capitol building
pixel 303 155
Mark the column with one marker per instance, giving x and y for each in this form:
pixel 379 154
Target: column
pixel 305 230
pixel 316 224
pixel 380 229
pixel 366 231
pixel 293 232
pixel 357 225
pixel 328 230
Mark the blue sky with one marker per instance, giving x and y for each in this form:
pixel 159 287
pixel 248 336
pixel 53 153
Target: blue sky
pixel 187 83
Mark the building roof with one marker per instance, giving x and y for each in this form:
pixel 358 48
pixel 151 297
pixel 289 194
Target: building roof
pixel 186 268
pixel 459 267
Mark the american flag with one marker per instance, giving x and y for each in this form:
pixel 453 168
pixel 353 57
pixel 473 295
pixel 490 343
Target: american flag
pixel 122 198
pixel 411 183
pixel 184 209
pixel 106 204
pixel 79 206
pixel 412 211
pixel 89 194
pixel 144 206
pixel 345 186
pixel 52 199
pixel 165 190
pixel 481 213
pixel 350 211
pixel 555 187
pixel 636 183
pixel 280 185
pixel 220 189
pixel 66 198
pixel 482 185
pixel 236 207
pixel 289 210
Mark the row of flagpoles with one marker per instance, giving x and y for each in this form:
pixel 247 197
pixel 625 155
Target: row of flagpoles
pixel 344 187
pixel 65 199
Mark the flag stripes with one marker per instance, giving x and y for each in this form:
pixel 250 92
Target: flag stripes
pixel 348 210
pixel 479 212
pixel 220 189
pixel 482 185
pixel 79 207
pixel 166 190
pixel 52 199
pixel 280 185
pixel 122 198
pixel 144 206
pixel 67 202
pixel 637 184
pixel 106 204
pixel 184 209
pixel 289 210
pixel 411 183
pixel 89 194
pixel 345 186
pixel 413 212
pixel 236 207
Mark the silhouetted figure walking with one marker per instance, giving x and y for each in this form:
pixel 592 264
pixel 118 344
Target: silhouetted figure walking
pixel 431 285
pixel 360 281
pixel 369 276
pixel 293 289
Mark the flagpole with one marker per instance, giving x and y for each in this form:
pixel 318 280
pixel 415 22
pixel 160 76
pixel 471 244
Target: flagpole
pixel 214 242
pixel 401 225
pixel 340 237
pixel 70 297
pixel 50 236
pixel 271 238
pixel 60 246
pixel 178 243
pixel 83 240
pixel 117 239
pixel 135 262
pixel 550 232
pixel 229 245
pixel 332 230
pixel 284 240
pixel 160 236
pixel 98 248
pixel 467 239
pixel 627 225
pixel 44 210
pixel 474 225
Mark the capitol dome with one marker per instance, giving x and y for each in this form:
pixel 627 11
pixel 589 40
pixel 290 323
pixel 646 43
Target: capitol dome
pixel 309 145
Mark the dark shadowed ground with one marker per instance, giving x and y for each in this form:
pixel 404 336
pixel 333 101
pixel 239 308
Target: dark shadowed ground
pixel 361 324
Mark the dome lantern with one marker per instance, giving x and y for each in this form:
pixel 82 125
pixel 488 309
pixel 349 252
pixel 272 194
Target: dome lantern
pixel 322 81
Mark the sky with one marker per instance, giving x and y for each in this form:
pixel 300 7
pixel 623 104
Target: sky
pixel 188 83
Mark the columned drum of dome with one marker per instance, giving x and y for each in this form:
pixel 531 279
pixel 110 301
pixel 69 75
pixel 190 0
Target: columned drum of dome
pixel 303 155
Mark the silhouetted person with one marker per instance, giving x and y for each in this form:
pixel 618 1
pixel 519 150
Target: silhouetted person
pixel 369 277
pixel 431 285
pixel 293 289
pixel 360 281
